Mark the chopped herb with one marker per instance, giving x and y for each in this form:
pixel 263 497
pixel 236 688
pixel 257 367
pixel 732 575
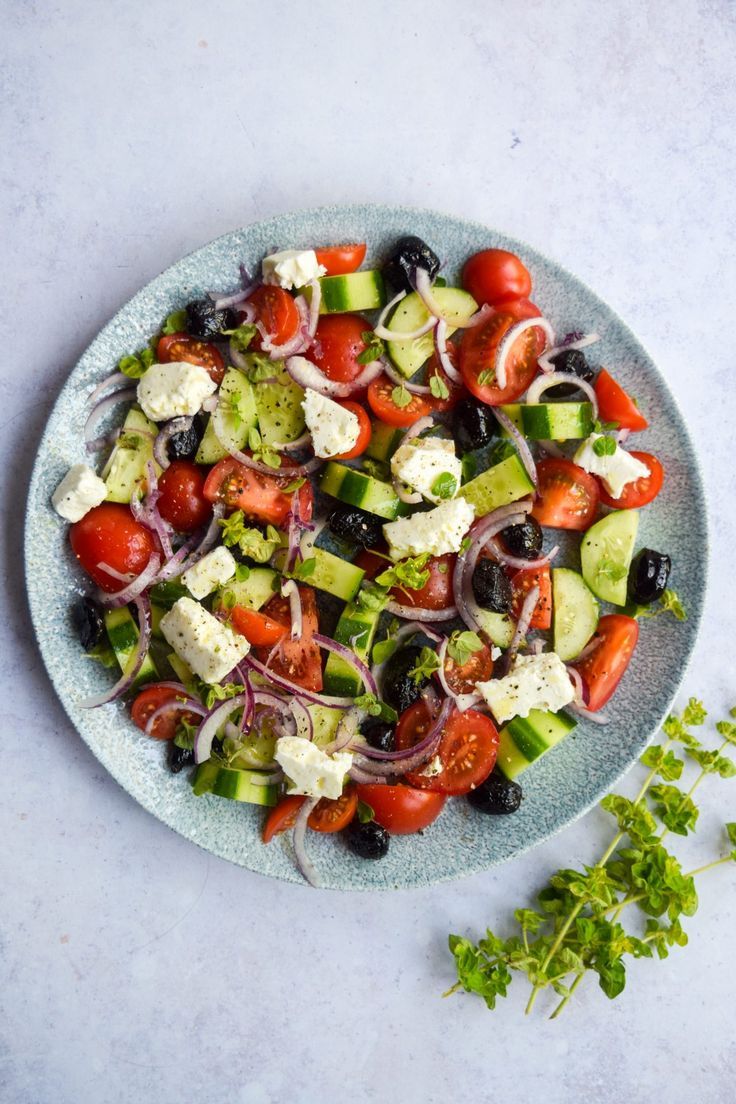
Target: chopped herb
pixel 374 348
pixel 306 568
pixel 209 694
pixel 444 486
pixel 295 485
pixel 410 574
pixel 375 708
pixel 669 603
pixel 137 364
pixel 604 446
pixel 488 375
pixel 470 467
pixel 242 337
pixel 425 666
pixel 259 368
pixel 438 387
pixel 371 597
pixel 462 645
pixel 242 572
pixel 102 653
pixel 379 469
pixel 400 396
pixel 609 569
pixel 184 735
pixel 364 812
pixel 465 545
pixel 250 541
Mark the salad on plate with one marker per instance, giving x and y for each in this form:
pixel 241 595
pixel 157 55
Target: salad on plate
pixel 322 543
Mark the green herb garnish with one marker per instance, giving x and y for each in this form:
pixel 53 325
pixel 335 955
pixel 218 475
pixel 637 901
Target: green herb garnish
pixel 175 323
pixel 604 446
pixel 425 666
pixel 462 645
pixel 410 574
pixel 444 486
pixel 374 348
pixel 376 708
pixel 400 396
pixel 137 364
pixel 438 388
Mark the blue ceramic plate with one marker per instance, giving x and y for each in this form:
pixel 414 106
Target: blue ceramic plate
pixel 560 787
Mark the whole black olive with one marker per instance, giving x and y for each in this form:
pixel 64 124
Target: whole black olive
pixel 524 540
pixel 648 576
pixel 473 424
pixel 410 253
pixel 179 758
pixel 88 622
pixel 184 445
pixel 379 734
pixel 400 690
pixel 356 525
pixel 497 796
pixel 368 840
pixel 491 587
pixel 206 322
pixel 574 362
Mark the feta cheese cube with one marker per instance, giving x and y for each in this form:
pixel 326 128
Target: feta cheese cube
pixel 205 644
pixel 616 469
pixel 334 429
pixel 212 571
pixel 308 770
pixel 291 268
pixel 78 492
pixel 172 390
pixel 420 463
pixel 437 531
pixel 535 682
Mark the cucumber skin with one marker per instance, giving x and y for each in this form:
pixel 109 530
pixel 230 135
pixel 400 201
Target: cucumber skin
pixel 355 487
pixel 126 467
pixel 236 785
pixel 551 421
pixel 234 383
pixel 253 592
pixel 122 633
pixel 353 291
pixel 525 739
pixel 503 483
pixel 333 575
pixel 357 625
pixel 384 440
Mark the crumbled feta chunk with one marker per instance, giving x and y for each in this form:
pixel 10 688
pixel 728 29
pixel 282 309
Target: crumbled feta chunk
pixel 421 462
pixel 291 268
pixel 437 531
pixel 616 469
pixel 212 571
pixel 308 770
pixel 175 389
pixel 334 429
pixel 535 682
pixel 205 644
pixel 433 768
pixel 78 492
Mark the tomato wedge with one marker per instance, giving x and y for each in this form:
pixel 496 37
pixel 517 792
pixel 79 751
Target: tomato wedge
pixel 467 749
pixel 184 347
pixel 478 347
pixel 258 495
pixel 642 491
pixel 153 698
pixel 522 582
pixel 616 405
pixel 277 312
pixel 257 627
pixel 298 660
pixel 327 816
pixel 401 809
pixel 567 497
pixel 611 650
pixel 339 260
pixel 364 431
pixel 381 400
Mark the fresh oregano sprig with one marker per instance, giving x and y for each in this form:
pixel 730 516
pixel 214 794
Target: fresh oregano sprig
pixel 576 930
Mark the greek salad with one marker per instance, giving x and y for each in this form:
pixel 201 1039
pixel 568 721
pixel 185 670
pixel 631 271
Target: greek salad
pixel 322 540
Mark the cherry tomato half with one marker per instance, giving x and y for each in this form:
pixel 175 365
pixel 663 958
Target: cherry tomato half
pixel 609 656
pixel 567 496
pixel 341 259
pixel 338 343
pixel 478 354
pixel 364 430
pixel 299 660
pixel 184 347
pixel 496 276
pixel 467 749
pixel 401 809
pixel 436 592
pixel 258 495
pixel 110 534
pixel 616 405
pixel 381 401
pixel 327 816
pixel 277 313
pixel 462 677
pixel 642 491
pixel 182 502
pixel 164 727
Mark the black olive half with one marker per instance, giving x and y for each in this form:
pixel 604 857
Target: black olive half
pixel 400 690
pixel 88 622
pixel 409 254
pixel 497 796
pixel 356 525
pixel 523 540
pixel 206 322
pixel 379 734
pixel 648 576
pixel 369 840
pixel 184 445
pixel 491 587
pixel 474 425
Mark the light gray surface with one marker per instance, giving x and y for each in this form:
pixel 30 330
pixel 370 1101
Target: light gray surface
pixel 134 966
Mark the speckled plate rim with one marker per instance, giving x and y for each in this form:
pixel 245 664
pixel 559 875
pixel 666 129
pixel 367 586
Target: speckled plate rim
pixel 419 872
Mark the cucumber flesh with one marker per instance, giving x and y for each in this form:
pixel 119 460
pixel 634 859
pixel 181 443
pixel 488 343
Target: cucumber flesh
pixel 525 739
pixel 575 613
pixel 358 489
pixel 606 552
pixel 279 407
pixel 125 470
pixel 503 483
pixel 354 291
pixel 234 417
pixel 237 785
pixel 253 592
pixel 551 421
pixel 385 440
pixel 499 627
pixel 331 574
pixel 411 313
pixel 324 723
pixel 356 630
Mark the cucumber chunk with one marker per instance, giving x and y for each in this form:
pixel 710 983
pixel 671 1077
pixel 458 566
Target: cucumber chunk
pixel 253 592
pixel 503 483
pixel 331 574
pixel 575 613
pixel 498 626
pixel 358 489
pixel 385 440
pixel 525 739
pixel 355 629
pixel 325 720
pixel 279 407
pixel 234 417
pixel 551 421
pixel 411 313
pixel 125 470
pixel 606 552
pixel 355 291
pixel 237 785
pixel 122 632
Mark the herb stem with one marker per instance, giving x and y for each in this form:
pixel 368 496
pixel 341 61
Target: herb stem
pixel 567 996
pixel 693 788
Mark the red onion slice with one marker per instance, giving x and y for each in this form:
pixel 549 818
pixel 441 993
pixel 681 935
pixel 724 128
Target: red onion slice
pixel 545 360
pixel 294 688
pixel 588 715
pixel 522 626
pixel 577 681
pixel 525 453
pixel 264 469
pixel 302 719
pixel 349 656
pixel 133 588
pixel 357 774
pixel 291 446
pixel 167 431
pixel 440 345
pixel 549 448
pixel 213 721
pixel 315 302
pixel 462 701
pixel 542 383
pixel 184 558
pixel 106 384
pixel 188 706
pixel 222 302
pixel 290 590
pixel 398 379
pixel 414 613
pixel 128 676
pixel 481 532
pixel 509 338
pixel 128 394
pixel 307 374
pixel 517 562
pixel 385 334
pixel 300 841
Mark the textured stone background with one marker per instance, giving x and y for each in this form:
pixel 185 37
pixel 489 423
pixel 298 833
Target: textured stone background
pixel 133 965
